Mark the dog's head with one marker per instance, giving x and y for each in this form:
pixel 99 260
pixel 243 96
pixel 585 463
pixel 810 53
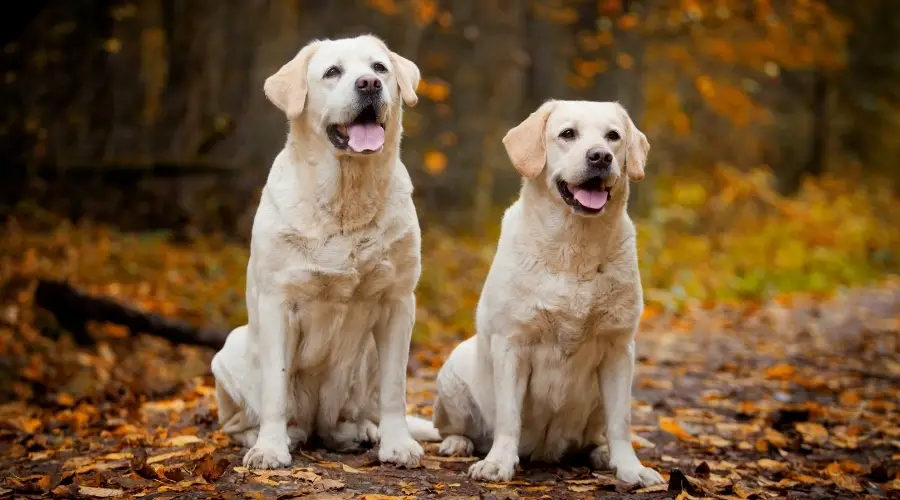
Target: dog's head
pixel 581 150
pixel 349 89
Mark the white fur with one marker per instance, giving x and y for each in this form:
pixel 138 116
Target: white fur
pixel 551 366
pixel 335 257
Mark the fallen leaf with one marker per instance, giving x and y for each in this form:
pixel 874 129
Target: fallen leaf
pixel 182 440
pixel 166 456
pixel 578 488
pixel 100 492
pixel 264 480
pixel 812 432
pixel 212 470
pixel 306 475
pixel 102 466
pixel 848 483
pixel 328 485
pixel 347 468
pixel 672 426
pixel 771 465
pixel 775 438
pixel 780 372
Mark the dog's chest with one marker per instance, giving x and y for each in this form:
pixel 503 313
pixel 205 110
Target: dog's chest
pixel 570 310
pixel 341 269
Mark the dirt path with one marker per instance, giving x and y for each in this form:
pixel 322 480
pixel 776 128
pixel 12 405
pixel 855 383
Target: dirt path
pixel 786 400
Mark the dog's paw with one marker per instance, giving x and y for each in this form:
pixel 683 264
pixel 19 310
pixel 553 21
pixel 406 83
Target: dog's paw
pixel 637 473
pixel 600 457
pixel 246 438
pixel 268 454
pixel 456 446
pixel 368 432
pixel 493 470
pixel 403 451
pixel 350 435
pixel 296 437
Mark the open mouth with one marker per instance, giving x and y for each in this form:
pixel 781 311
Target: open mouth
pixel 588 197
pixel 363 135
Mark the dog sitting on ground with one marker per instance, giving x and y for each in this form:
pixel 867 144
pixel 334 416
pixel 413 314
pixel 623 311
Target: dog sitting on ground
pixel 550 369
pixel 335 257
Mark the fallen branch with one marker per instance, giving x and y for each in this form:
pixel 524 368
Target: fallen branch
pixel 74 308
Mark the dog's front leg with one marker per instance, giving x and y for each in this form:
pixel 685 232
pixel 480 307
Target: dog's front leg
pixel 269 320
pixel 510 380
pixel 616 375
pixel 393 332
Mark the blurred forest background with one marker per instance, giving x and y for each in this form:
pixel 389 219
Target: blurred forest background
pixel 136 138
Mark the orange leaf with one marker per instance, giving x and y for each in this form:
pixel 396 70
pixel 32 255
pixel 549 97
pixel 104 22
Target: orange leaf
pixel 780 372
pixel 672 426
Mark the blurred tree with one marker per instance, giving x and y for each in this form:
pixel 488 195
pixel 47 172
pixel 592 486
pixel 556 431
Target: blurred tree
pixel 800 86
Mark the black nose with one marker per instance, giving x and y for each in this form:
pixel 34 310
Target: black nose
pixel 368 84
pixel 598 158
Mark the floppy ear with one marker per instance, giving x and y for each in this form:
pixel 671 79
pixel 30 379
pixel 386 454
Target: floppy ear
pixel 287 88
pixel 636 148
pixel 408 76
pixel 524 143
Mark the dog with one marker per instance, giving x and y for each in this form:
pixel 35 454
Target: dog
pixel 334 259
pixel 550 369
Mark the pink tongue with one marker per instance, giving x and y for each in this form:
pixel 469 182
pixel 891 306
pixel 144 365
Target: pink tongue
pixel 591 199
pixel 369 136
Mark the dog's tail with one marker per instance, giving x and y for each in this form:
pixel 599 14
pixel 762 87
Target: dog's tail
pixel 421 429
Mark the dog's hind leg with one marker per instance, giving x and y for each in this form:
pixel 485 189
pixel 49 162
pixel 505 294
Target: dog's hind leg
pixel 235 380
pixel 455 414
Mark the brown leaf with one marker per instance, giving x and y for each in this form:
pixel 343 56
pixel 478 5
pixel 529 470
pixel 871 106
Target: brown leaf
pixel 328 485
pixel 577 488
pixel 306 475
pixel 812 432
pixel 212 470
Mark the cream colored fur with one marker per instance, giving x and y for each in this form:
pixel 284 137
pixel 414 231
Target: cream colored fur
pixel 550 369
pixel 335 256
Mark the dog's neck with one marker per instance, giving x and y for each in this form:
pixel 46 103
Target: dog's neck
pixel 568 240
pixel 348 192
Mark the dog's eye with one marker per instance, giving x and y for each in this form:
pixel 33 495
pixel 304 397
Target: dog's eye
pixel 333 72
pixel 568 133
pixel 612 135
pixel 379 68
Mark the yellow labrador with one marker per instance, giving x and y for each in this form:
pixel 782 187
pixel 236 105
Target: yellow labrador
pixel 335 256
pixel 551 367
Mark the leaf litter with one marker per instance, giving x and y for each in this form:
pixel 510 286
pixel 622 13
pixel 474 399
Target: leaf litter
pixel 788 397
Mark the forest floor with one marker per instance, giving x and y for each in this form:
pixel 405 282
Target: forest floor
pixel 796 396
pixel 787 399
